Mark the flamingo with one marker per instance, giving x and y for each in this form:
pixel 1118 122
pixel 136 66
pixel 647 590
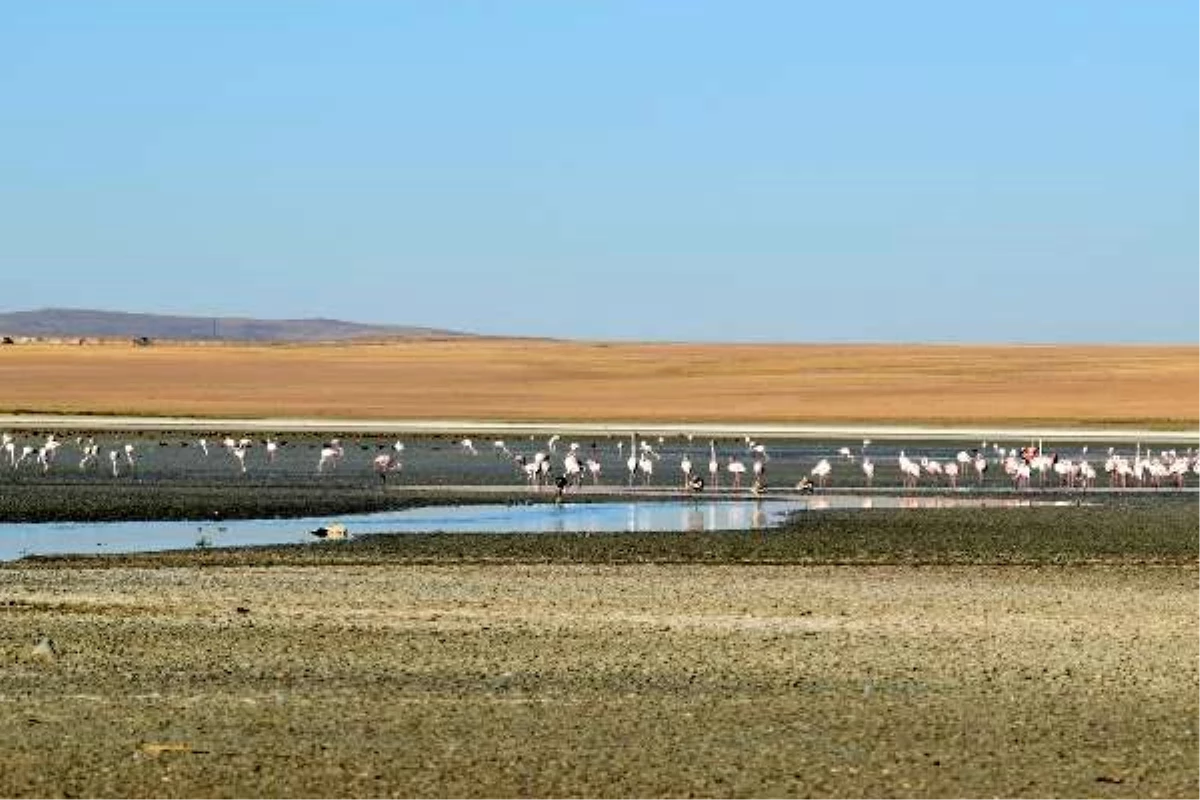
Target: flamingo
pixel 1087 475
pixel 572 469
pixel 821 472
pixel 10 447
pixel 980 467
pixel 1021 476
pixel 26 452
pixel 203 447
pixel 468 447
pixel 868 469
pixel 714 466
pixel 45 454
pixel 594 469
pixel 552 441
pixel 272 448
pixel 950 470
pixel 631 463
pixel 910 472
pixel 736 468
pixel 501 448
pixel 646 465
pixel 685 466
pixel 385 463
pixel 331 455
pixel 239 453
pixel 90 450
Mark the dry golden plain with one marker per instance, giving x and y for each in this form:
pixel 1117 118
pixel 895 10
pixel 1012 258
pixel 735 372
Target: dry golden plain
pixel 530 380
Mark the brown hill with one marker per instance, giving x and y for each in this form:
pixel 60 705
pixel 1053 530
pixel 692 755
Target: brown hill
pixel 66 323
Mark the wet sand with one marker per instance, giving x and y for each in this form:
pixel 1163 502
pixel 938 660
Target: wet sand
pixel 519 679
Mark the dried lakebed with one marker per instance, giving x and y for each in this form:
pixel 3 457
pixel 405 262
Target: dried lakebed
pixel 602 680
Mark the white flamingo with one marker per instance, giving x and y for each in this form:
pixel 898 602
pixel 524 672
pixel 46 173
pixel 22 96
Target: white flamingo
pixel 646 465
pixel 736 469
pixel 239 453
pixel 950 470
pixel 203 447
pixel 331 455
pixel 631 463
pixel 468 447
pixel 759 467
pixel 685 466
pixel 26 452
pixel 90 452
pixel 573 469
pixel 385 463
pixel 821 472
pixel 981 466
pixel 45 453
pixel 714 466
pixel 868 468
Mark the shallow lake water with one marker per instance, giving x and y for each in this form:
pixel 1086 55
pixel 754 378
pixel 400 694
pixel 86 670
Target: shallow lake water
pixel 21 539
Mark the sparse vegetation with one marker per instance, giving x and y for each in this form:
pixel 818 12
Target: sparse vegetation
pixel 579 381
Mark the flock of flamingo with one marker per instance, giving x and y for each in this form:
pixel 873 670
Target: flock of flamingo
pixel 568 467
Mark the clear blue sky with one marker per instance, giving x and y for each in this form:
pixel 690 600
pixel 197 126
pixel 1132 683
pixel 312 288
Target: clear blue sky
pixel 686 170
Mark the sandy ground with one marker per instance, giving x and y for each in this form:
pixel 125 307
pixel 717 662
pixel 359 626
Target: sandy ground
pixel 600 680
pixel 538 380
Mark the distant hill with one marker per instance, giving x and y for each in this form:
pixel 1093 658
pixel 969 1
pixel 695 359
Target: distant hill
pixel 74 323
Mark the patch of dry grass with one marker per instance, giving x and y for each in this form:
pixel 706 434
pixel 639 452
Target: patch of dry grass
pixel 525 380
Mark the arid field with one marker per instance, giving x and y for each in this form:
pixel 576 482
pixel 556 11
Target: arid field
pixel 530 380
pixel 602 681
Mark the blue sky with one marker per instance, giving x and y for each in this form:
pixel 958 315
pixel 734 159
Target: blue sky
pixel 712 171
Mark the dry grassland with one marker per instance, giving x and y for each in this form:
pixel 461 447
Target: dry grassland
pixel 527 380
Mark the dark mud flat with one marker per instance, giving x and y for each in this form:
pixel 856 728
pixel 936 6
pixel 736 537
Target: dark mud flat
pixel 41 502
pixel 1025 652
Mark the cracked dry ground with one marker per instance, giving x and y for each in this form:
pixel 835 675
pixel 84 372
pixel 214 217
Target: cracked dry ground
pixel 600 680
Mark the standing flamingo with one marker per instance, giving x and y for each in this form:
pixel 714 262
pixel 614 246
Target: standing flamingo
pixel 736 468
pixel 331 455
pixel 821 472
pixel 385 463
pixel 868 468
pixel 714 466
pixel 631 463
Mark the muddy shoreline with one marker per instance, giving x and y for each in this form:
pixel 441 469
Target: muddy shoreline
pixel 605 680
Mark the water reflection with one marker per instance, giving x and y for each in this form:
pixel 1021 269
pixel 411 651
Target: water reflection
pixel 17 539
